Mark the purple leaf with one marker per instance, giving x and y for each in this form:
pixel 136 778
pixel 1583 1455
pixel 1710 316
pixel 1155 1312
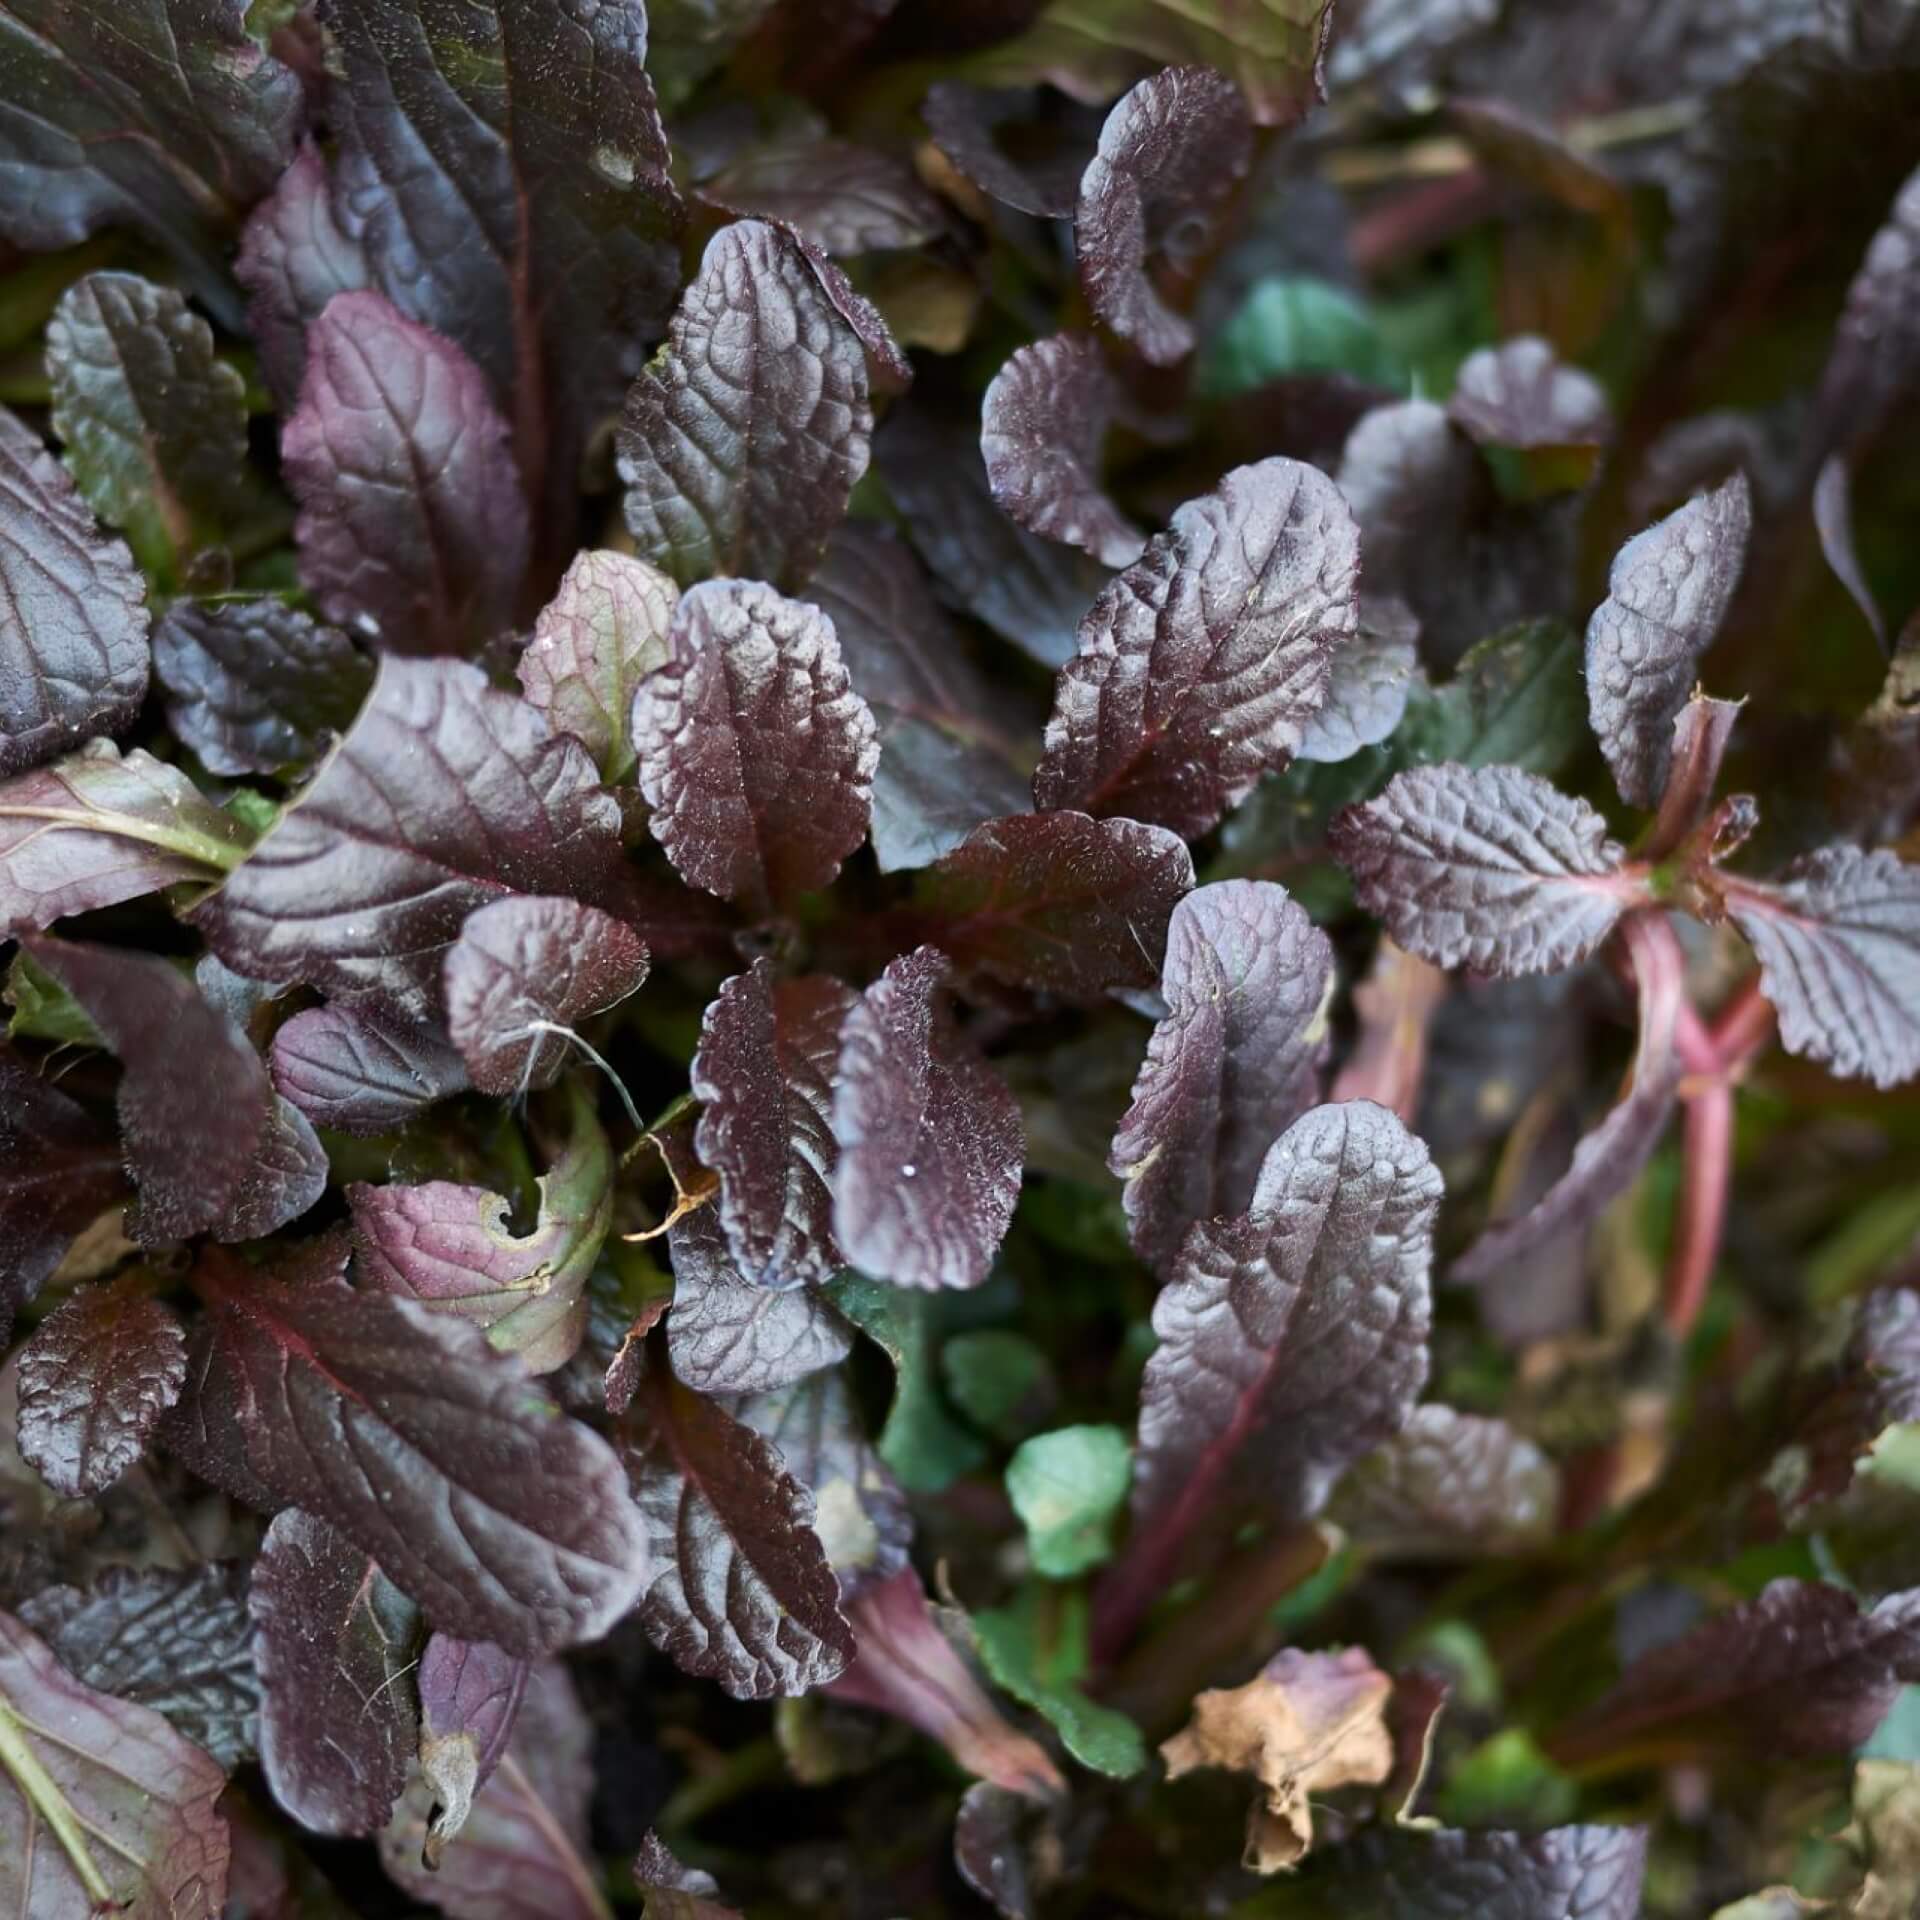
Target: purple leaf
pixel 73 651
pixel 525 1852
pixel 154 423
pixel 286 1176
pixel 1607 1160
pixel 764 1075
pixel 1042 425
pixel 963 121
pixel 1450 1486
pixel 103 1807
pixel 445 794
pixel 1237 1059
pixel 1368 685
pixel 1801 1668
pixel 413 526
pixel 847 199
pixel 1838 935
pixel 100 827
pixel 740 445
pixel 504 168
pixel 859 1511
pixel 1700 736
pixel 742 1592
pixel 523 966
pixel 670 1891
pixel 450 1248
pixel 931 1143
pixel 95 1377
pixel 1170 154
pixel 1058 901
pixel 602 633
pixel 755 753
pixel 725 1334
pixel 470 1695
pixel 990 1849
pixel 1293 1338
pixel 404 1430
pixel 945 762
pixel 331 1641
pixel 177 1642
pixel 295 255
pixel 193 1097
pixel 166 117
pixel 1833 522
pixel 1491 868
pixel 1520 395
pixel 1200 666
pixel 255 686
pixel 358 1070
pixel 1875 358
pixel 60 1169
pixel 1666 596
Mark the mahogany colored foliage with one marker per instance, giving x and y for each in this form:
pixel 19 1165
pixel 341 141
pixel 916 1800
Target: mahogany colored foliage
pixel 891 890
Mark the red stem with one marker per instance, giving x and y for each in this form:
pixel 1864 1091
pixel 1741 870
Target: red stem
pixel 1706 1170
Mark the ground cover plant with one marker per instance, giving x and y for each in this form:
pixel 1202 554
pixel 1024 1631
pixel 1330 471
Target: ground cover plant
pixel 960 959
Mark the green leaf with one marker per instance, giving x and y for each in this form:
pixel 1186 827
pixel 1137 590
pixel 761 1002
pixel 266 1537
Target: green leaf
pixel 1036 1650
pixel 1516 700
pixel 925 1446
pixel 1290 324
pixel 1067 1487
pixel 43 1009
pixel 1506 1781
pixel 1001 1381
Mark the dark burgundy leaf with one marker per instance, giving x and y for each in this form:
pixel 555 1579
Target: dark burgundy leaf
pixel 1666 596
pixel 524 966
pixel 1058 901
pixel 725 1334
pixel 764 1073
pixel 1875 358
pixel 1171 151
pixel 669 1891
pixel 525 1852
pixel 1606 1161
pixel 470 1694
pixel 740 446
pixel 1237 1059
pixel 1042 425
pixel 945 764
pixel 1200 666
pixel 1838 935
pixel 332 1642
pixel 847 199
pixel 103 1807
pixel 755 753
pixel 359 1070
pixel 1030 591
pixel 859 1511
pixel 989 1849
pixel 95 1377
pixel 963 121
pixel 1486 867
pixel 742 1591
pixel 1450 1486
pixel 413 526
pixel 73 650
pixel 99 827
pixel 1802 1668
pixel 287 1175
pixel 1439 1873
pixel 154 423
pixel 158 115
pixel 1833 522
pixel 178 1642
pixel 1293 1338
pixel 1700 737
pixel 60 1169
pixel 1371 679
pixel 931 1143
pixel 256 686
pixel 194 1096
pixel 889 371
pixel 445 794
pixel 1519 394
pixel 450 1247
pixel 295 256
pixel 1533 154
pixel 404 1430
pixel 602 633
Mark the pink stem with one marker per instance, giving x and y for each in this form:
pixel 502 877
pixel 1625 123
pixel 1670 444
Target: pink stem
pixel 1706 1171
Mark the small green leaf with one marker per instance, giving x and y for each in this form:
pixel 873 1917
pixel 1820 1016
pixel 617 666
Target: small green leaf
pixel 1506 1782
pixel 1001 1381
pixel 1013 1644
pixel 1515 700
pixel 1067 1486
pixel 1291 324
pixel 43 1009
